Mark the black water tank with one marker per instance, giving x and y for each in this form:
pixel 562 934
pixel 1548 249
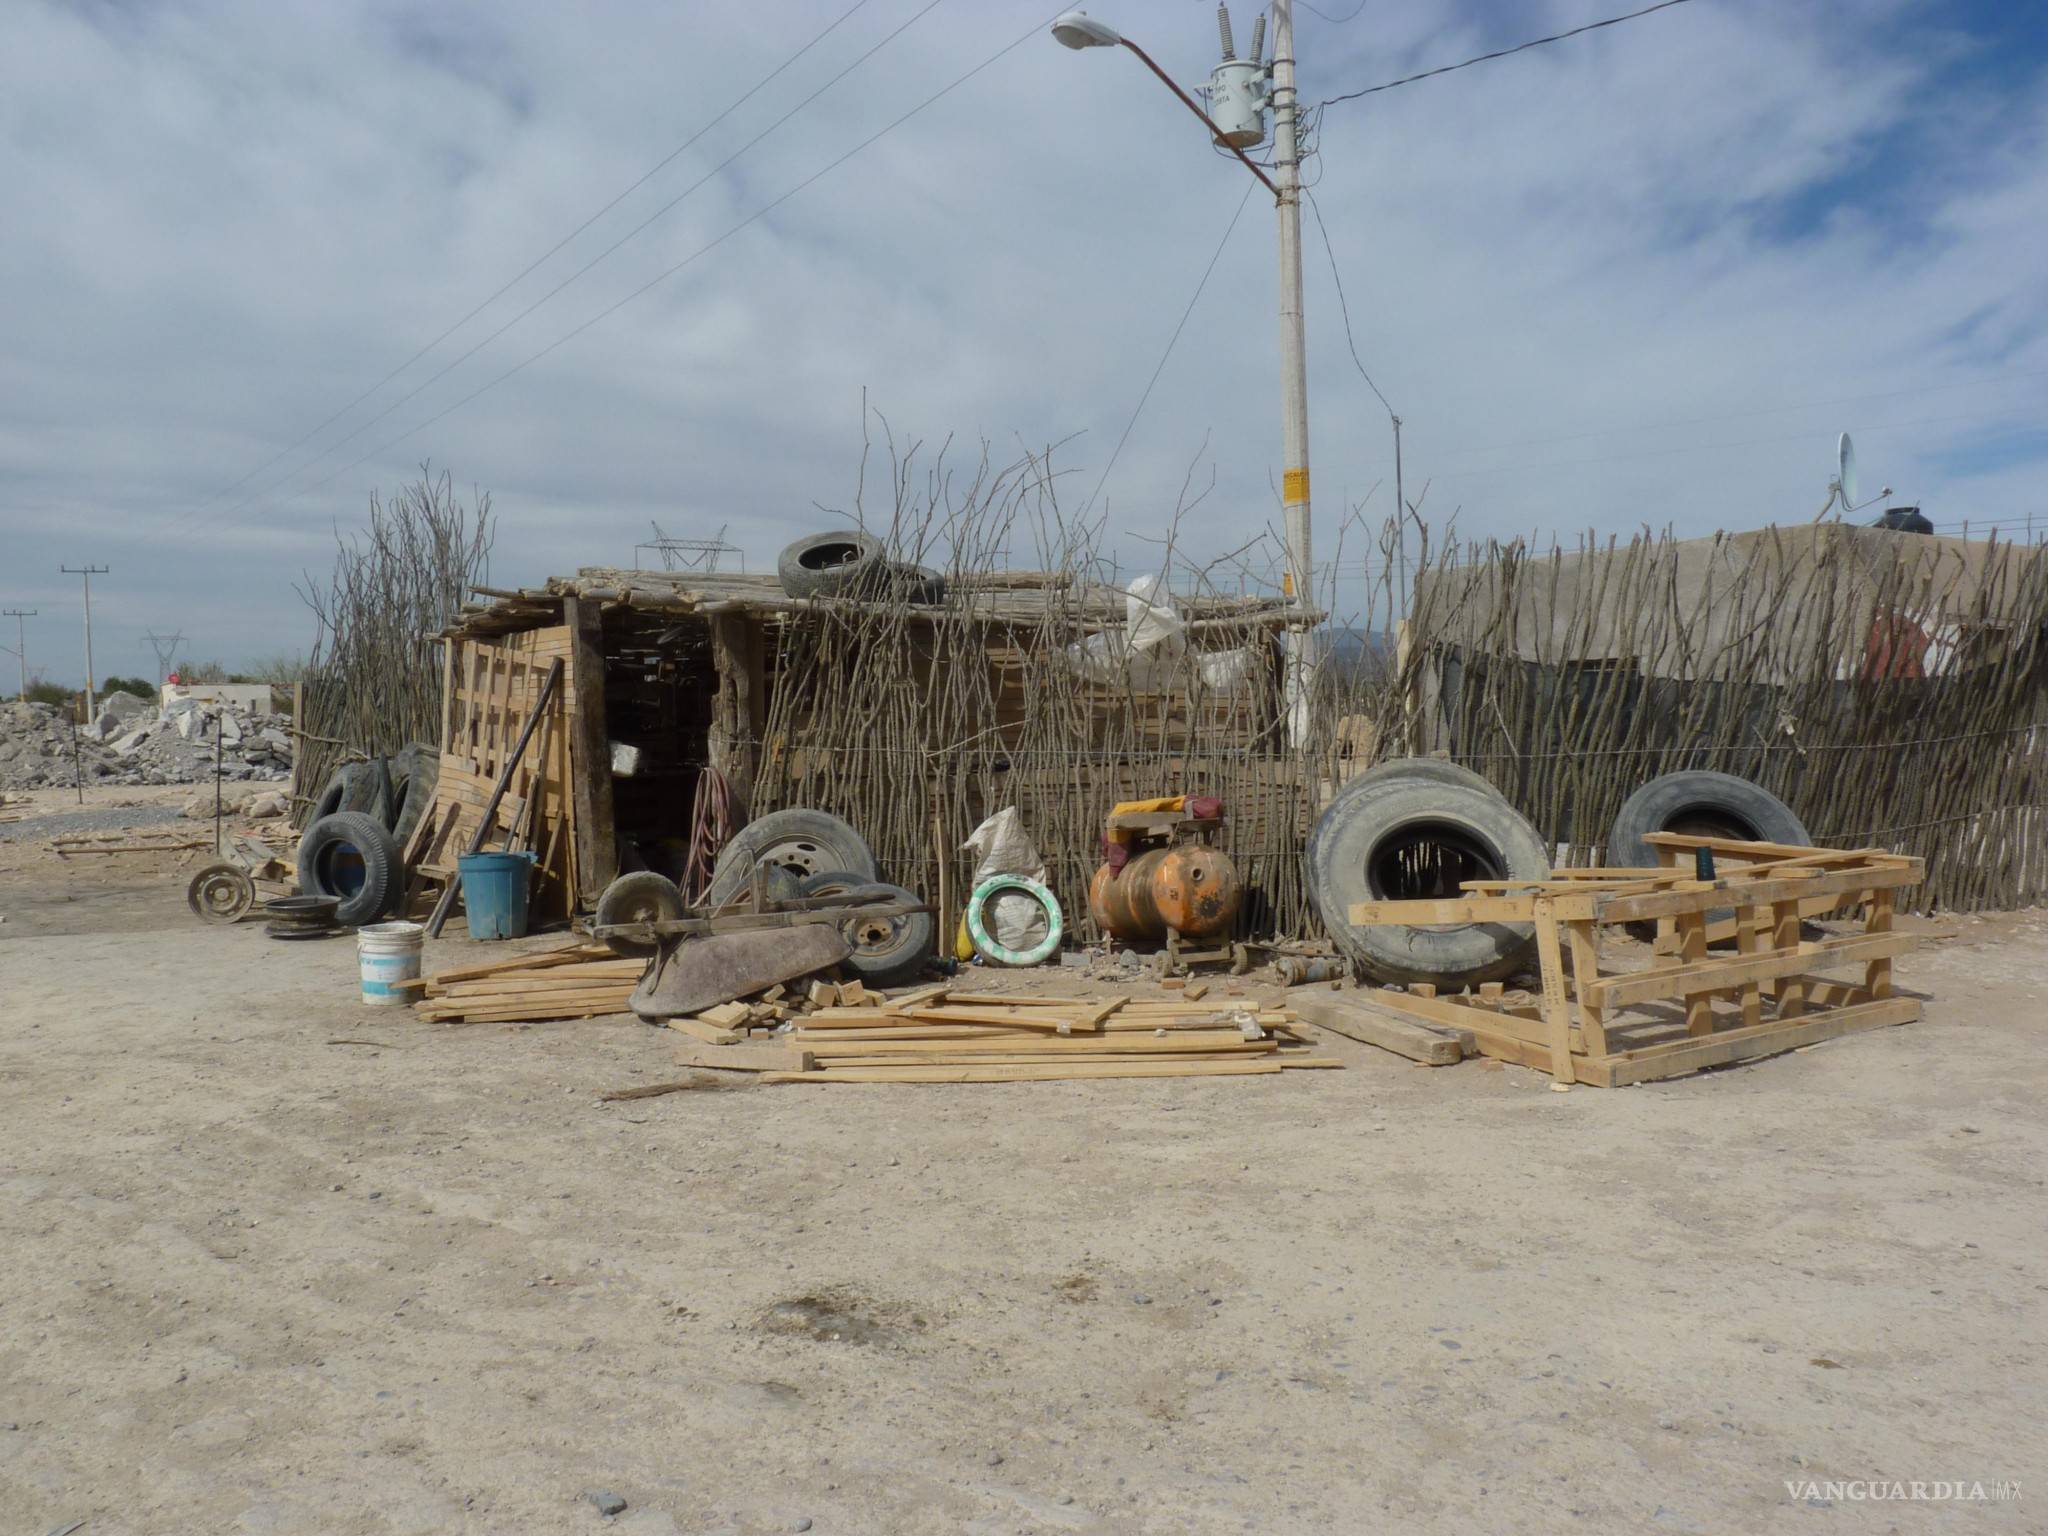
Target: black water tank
pixel 1904 520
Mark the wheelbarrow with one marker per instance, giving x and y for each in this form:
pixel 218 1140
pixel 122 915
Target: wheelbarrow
pixel 699 959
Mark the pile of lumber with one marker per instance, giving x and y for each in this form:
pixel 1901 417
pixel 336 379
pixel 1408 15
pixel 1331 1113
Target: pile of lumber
pixel 574 982
pixel 935 1035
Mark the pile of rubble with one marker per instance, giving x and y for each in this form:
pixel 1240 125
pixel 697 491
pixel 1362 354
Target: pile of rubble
pixel 133 741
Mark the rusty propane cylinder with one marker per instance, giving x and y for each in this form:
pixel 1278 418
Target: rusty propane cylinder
pixel 1192 889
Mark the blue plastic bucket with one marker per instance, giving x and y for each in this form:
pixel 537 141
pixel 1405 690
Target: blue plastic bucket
pixel 494 893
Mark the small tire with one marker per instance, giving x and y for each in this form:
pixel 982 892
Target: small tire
pixel 829 564
pixel 994 950
pixel 350 856
pixel 803 841
pixel 641 897
pixel 1419 836
pixel 886 952
pixel 1704 803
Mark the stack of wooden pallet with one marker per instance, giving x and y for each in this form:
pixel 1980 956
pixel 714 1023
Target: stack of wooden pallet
pixel 574 982
pixel 937 1036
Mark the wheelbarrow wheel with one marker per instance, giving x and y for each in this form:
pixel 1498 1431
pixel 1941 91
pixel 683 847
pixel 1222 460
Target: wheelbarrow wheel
pixel 887 951
pixel 641 897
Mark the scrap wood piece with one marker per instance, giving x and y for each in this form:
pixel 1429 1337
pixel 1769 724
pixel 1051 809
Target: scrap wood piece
pixel 1371 1023
pixel 757 1057
pixel 915 997
pixel 1029 1073
pixel 700 1029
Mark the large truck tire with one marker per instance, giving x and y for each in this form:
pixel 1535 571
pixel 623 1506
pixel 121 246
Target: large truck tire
pixel 1415 836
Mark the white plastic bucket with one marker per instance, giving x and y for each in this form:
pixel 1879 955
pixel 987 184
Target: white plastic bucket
pixel 388 953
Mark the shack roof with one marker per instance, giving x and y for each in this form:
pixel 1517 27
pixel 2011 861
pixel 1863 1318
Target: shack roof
pixel 1015 599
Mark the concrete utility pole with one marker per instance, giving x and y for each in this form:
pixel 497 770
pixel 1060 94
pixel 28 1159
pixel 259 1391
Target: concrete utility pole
pixel 19 615
pixel 1294 493
pixel 88 572
pixel 1240 90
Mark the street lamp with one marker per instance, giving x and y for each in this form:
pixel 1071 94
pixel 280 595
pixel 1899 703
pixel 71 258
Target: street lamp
pixel 1077 29
pixel 1241 91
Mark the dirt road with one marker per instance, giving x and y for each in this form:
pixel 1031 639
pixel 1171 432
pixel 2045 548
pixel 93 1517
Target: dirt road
pixel 276 1263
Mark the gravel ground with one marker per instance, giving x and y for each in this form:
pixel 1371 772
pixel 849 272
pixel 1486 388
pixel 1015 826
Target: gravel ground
pixel 110 819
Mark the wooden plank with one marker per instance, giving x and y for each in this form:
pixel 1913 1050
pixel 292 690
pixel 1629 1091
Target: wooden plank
pixel 1702 976
pixel 743 1058
pixel 1419 914
pixel 1629 909
pixel 1877 972
pixel 1682 1056
pixel 1692 956
pixel 1584 939
pixel 1556 1005
pixel 1222 1042
pixel 1370 1023
pixel 590 753
pixel 1055 1072
pixel 699 1029
pixel 1751 944
pixel 1785 937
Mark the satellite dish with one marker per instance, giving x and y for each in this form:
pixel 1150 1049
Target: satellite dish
pixel 1845 456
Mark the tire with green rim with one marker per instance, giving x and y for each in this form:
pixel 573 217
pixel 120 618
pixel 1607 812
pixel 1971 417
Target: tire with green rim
pixel 981 928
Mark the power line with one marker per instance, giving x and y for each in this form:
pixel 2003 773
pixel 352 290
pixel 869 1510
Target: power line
pixel 1500 53
pixel 1344 307
pixel 1337 21
pixel 1215 256
pixel 532 266
pixel 663 276
pixel 594 261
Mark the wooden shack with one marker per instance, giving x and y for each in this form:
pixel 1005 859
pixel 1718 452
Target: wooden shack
pixel 910 720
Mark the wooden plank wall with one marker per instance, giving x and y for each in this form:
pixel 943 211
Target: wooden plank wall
pixel 491 689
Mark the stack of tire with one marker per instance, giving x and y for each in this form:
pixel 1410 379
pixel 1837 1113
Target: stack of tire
pixel 854 565
pixel 799 853
pixel 350 849
pixel 1418 827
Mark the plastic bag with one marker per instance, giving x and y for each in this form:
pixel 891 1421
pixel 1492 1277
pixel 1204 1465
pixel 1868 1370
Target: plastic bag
pixel 1001 846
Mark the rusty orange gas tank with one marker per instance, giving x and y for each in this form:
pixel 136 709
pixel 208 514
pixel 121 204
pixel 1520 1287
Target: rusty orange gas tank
pixel 1193 889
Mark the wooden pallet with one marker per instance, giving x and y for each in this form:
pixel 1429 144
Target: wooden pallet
pixel 1686 1011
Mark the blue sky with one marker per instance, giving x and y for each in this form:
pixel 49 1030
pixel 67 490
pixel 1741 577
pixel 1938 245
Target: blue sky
pixel 1643 276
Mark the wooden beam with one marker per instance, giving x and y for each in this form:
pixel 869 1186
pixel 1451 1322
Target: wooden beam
pixel 590 752
pixel 1556 1005
pixel 1699 976
pixel 1673 1058
pixel 1356 1018
pixel 740 715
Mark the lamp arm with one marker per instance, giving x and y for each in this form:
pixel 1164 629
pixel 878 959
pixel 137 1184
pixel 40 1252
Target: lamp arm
pixel 1189 102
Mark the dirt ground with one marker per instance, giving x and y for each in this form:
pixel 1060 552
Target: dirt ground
pixel 278 1263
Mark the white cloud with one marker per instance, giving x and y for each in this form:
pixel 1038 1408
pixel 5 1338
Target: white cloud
pixel 227 218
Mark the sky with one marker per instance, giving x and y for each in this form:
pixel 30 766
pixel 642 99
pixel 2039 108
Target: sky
pixel 1641 277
